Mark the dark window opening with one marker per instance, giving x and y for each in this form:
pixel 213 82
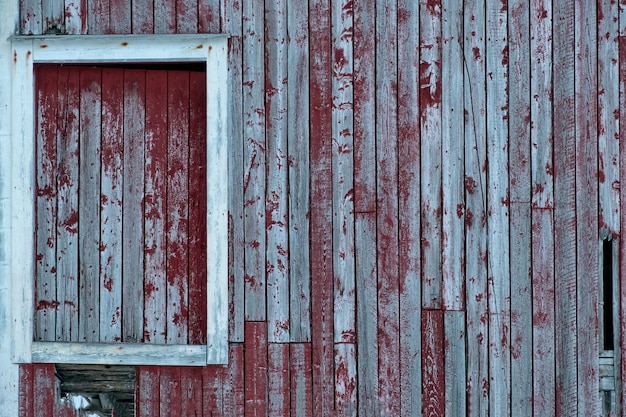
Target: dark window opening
pixel 607 295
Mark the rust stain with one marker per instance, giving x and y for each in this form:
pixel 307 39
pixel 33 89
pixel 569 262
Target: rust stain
pixel 43 46
pixel 199 46
pixel 124 44
pixel 28 54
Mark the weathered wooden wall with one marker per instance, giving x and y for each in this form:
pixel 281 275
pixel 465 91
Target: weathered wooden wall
pixel 419 192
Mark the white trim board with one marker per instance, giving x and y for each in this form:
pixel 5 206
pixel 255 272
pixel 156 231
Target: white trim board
pixel 27 51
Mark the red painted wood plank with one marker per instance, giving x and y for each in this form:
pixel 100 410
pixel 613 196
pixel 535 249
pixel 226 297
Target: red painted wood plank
pixel 346 376
pixel 111 205
pixel 133 206
pixel 53 17
pixel 254 160
pixel 298 134
pixel 232 23
pixel 543 313
pixel 301 384
pixel 164 16
pixel 187 16
pixel 520 221
pixel 142 16
pixel 430 119
pixel 364 38
pixel 197 209
pixel 191 384
pixel 621 392
pixel 177 207
pixel 367 315
pixel 608 118
pixel 212 392
pixel 148 398
pixel 67 203
pixel 98 17
pixel 255 368
pixel 433 371
pixel 89 204
pixel 387 210
pixel 209 17
pixel 43 390
pixel 234 381
pixel 31 15
pixel 565 207
pixel 477 379
pixel 46 302
pixel 27 376
pixel 120 16
pixel 278 379
pixel 586 92
pixel 321 208
pixel 76 17
pixel 276 193
pixel 155 199
pixel 409 210
pixel 170 391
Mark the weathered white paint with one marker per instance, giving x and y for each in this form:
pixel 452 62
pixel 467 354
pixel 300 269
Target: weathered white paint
pixel 8 371
pixel 211 49
pixel 119 353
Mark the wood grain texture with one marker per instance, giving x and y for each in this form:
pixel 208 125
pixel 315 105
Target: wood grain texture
pixel 621 393
pixel 433 370
pixel 301 386
pixel 278 379
pixel 256 369
pixel 454 360
pixel 409 210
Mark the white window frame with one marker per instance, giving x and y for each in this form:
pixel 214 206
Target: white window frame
pixel 28 51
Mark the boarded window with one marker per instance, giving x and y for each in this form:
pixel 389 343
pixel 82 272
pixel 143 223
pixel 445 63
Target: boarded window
pixel 120 204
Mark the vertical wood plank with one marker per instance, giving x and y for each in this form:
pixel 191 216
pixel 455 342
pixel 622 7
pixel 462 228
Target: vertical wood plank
pixel 387 208
pixel 164 16
pixel 346 379
pixel 608 117
pixel 43 390
pixel 343 208
pixel 31 17
pixel 191 391
pixel 255 372
pixel 433 371
pixel 232 16
pixel 563 33
pixel 67 204
pixel 430 140
pixel 75 17
pixel 209 15
pixel 585 74
pixel 133 208
pixel 409 210
pixel 367 314
pixel 452 152
pixel 148 391
pixel 298 134
pixel 197 209
pixel 301 384
pixel 321 207
pixel 476 208
pixel 544 387
pixel 364 49
pixel 26 398
pixel 454 359
pixel 177 206
pixel 98 17
pixel 254 160
pixel 46 208
pixel 155 200
pixel 276 209
pixel 234 395
pixel 89 204
pixel 622 165
pixel 278 379
pixel 520 222
pixel 498 208
pixel 53 16
pixel 187 16
pixel 120 16
pixel 212 392
pixel 170 391
pixel 142 12
pixel 111 205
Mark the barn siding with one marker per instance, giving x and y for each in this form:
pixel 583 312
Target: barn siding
pixel 418 193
